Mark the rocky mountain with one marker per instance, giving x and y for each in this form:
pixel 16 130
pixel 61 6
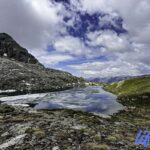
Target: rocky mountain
pixel 10 49
pixel 115 78
pixel 20 72
pixel 109 79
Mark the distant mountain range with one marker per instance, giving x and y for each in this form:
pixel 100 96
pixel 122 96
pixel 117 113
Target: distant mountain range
pixel 114 79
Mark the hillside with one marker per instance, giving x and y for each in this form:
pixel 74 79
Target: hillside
pixel 109 80
pixel 133 91
pixel 20 72
pixel 113 79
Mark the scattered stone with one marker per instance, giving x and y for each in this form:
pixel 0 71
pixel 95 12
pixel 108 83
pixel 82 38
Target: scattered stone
pixel 13 141
pixel 94 146
pixel 97 137
pixel 63 129
pixel 55 148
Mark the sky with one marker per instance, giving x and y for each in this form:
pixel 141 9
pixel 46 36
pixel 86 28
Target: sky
pixel 100 38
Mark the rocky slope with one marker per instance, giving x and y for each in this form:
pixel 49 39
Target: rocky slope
pixel 61 129
pixel 20 72
pixel 12 50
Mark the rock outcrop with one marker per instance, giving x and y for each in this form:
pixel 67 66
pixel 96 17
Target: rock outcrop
pixel 12 50
pixel 20 72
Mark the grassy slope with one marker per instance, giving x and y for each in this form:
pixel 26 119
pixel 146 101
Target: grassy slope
pixel 131 86
pixel 132 92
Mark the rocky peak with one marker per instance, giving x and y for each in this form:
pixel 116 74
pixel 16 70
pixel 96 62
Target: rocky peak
pixel 10 49
pixel 21 73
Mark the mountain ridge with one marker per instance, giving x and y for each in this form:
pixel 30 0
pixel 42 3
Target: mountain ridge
pixel 11 49
pixel 21 72
pixel 113 79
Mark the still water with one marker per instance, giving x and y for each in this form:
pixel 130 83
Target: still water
pixel 90 99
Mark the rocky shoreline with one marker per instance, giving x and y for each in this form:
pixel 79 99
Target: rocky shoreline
pixel 24 128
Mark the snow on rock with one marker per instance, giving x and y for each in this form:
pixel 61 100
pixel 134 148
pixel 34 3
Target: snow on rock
pixel 7 91
pixel 23 105
pixel 27 96
pixel 5 54
pixel 56 148
pixel 13 141
pixel 79 127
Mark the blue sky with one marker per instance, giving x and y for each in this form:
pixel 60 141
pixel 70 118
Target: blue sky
pixel 87 38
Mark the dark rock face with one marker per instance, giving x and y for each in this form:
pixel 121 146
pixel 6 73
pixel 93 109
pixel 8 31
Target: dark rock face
pixel 21 72
pixel 10 49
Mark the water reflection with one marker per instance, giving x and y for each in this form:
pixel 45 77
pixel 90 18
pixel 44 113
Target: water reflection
pixel 47 105
pixel 90 99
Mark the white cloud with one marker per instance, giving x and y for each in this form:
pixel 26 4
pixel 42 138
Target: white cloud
pixel 36 24
pixel 109 19
pixel 72 45
pixel 135 14
pixel 96 6
pixel 136 18
pixel 32 23
pixel 53 59
pixel 69 44
pixel 110 40
pixel 131 49
pixel 110 68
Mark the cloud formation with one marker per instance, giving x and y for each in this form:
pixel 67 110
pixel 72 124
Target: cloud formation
pixel 31 22
pixel 112 37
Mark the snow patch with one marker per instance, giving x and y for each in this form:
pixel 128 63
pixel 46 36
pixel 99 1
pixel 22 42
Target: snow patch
pixel 23 105
pixel 28 84
pixel 79 127
pixel 20 97
pixel 5 54
pixel 56 148
pixel 7 91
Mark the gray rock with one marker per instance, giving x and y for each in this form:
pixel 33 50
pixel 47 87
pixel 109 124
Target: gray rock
pixel 63 129
pixel 20 72
pixel 12 50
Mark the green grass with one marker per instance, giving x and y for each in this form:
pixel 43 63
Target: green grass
pixel 132 92
pixel 130 87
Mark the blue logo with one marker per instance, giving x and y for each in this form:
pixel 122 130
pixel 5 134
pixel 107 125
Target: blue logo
pixel 143 138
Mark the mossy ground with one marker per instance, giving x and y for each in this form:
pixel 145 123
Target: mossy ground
pixel 72 130
pixel 130 87
pixel 132 92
